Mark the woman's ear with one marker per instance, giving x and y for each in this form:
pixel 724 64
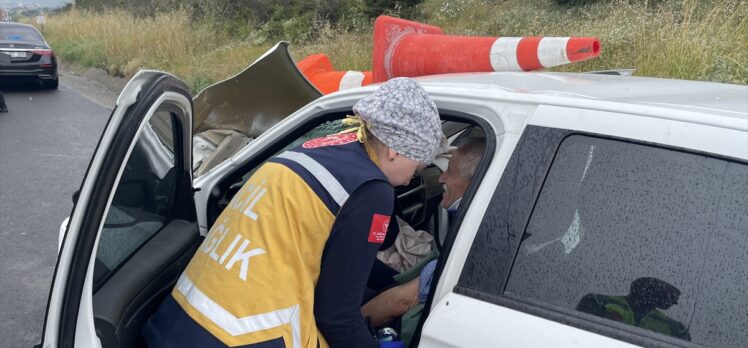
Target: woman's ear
pixel 391 154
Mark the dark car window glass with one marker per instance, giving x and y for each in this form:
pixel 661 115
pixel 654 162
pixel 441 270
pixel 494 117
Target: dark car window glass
pixel 143 200
pixel 646 236
pixel 18 33
pixel 492 252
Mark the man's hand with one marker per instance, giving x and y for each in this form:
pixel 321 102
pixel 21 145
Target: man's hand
pixel 391 303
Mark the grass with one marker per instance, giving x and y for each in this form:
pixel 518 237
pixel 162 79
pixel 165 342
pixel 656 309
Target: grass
pixel 685 39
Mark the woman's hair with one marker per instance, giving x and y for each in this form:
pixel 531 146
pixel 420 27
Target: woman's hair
pixel 374 142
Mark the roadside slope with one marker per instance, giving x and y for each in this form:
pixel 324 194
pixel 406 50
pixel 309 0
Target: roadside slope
pixel 94 84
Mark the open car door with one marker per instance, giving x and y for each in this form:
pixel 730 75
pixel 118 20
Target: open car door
pixel 133 227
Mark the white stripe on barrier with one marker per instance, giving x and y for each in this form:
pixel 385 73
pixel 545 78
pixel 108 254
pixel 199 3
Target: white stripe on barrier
pixel 504 54
pixel 239 326
pixel 351 79
pixel 328 181
pixel 552 51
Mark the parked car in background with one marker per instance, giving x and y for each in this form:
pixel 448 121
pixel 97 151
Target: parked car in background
pixel 606 211
pixel 26 56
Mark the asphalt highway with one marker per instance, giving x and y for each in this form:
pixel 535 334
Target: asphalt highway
pixel 46 142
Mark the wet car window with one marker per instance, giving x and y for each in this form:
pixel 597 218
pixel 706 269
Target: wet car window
pixel 646 236
pixel 142 202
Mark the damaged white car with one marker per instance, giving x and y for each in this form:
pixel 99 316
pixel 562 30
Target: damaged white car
pixel 594 190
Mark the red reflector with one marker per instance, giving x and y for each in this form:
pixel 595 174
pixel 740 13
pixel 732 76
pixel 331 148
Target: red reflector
pixel 45 65
pixel 48 53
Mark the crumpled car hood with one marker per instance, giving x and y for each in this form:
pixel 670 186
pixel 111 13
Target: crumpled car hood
pixel 257 98
pixel 231 113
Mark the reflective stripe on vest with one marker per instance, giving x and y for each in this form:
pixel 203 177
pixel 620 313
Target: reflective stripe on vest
pixel 239 326
pixel 620 306
pixel 325 178
pixel 653 320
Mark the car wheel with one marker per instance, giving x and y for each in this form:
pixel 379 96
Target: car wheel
pixel 51 84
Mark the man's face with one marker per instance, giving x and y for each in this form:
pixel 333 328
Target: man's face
pixel 454 184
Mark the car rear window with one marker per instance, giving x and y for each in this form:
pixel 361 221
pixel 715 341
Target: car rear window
pixel 647 236
pixel 18 33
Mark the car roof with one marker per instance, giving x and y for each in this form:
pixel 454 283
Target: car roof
pixel 695 96
pixel 17 25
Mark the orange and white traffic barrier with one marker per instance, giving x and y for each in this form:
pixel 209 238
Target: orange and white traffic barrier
pixel 406 48
pixel 318 69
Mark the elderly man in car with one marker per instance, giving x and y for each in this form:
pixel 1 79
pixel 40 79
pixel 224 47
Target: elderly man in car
pixel 394 302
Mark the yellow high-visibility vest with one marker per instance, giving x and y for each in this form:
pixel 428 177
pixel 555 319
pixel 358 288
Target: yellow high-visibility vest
pixel 253 278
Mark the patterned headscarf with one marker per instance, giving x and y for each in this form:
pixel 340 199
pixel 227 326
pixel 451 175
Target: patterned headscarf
pixel 401 115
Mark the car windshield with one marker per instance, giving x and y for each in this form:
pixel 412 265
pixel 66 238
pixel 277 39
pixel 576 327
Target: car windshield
pixel 19 33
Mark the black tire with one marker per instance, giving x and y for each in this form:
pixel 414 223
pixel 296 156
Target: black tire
pixel 50 84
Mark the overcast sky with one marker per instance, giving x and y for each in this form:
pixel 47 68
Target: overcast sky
pixel 43 3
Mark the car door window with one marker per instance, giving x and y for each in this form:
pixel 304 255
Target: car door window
pixel 650 237
pixel 142 203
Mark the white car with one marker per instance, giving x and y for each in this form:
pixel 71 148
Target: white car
pixel 607 211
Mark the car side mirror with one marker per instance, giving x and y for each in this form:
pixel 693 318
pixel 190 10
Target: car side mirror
pixel 76 194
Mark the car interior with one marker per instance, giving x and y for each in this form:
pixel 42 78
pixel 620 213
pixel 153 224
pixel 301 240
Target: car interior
pixel 127 292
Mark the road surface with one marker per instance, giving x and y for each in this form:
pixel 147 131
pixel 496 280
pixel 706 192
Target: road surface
pixel 46 141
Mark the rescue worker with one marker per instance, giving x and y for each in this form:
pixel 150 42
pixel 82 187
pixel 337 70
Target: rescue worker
pixel 639 307
pixel 286 263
